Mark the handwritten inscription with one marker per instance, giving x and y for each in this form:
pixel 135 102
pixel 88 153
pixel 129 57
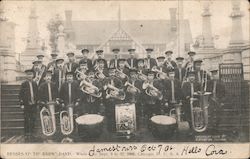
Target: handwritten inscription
pixel 212 150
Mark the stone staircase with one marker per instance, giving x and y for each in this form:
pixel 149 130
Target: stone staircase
pixel 12 116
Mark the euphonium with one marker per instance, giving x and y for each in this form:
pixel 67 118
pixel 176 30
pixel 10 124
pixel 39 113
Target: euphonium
pixel 114 92
pixel 151 91
pixel 48 120
pixel 199 111
pixel 67 121
pixel 90 89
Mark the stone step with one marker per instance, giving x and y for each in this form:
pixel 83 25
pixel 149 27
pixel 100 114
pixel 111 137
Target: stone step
pixel 9 131
pixel 10 91
pixel 12 115
pixel 11 108
pixel 8 102
pixel 9 96
pixel 8 86
pixel 12 123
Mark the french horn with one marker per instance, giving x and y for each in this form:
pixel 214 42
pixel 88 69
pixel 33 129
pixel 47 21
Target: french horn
pixel 67 121
pixel 48 120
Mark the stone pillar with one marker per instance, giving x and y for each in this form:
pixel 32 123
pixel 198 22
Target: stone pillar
pixel 61 41
pixel 7 53
pixel 206 26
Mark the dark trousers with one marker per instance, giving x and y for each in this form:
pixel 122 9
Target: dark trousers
pixel 110 115
pixel 30 112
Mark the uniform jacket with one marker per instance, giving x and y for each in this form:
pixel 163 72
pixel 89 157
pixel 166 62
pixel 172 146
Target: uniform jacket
pixel 177 90
pixel 152 63
pixel 152 100
pixel 43 94
pixel 25 94
pixel 137 96
pixel 75 92
pixel 186 89
pixel 89 63
pixel 178 72
pixel 113 63
pixel 129 61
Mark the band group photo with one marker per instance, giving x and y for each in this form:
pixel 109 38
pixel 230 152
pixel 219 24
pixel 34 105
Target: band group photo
pixel 134 99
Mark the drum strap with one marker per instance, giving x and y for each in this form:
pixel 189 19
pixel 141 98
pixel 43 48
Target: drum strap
pixel 31 93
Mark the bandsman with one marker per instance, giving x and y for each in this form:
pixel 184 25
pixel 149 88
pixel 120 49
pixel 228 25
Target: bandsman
pixel 149 61
pixel 201 75
pixel 40 57
pixel 81 71
pixel 131 61
pixel 85 58
pixel 52 64
pixel 114 61
pixel 141 70
pixel 71 65
pixel 180 70
pixel 39 72
pixel 101 71
pixel 170 64
pixel 162 70
pixel 122 72
pixel 59 76
pixel 28 102
pixel 99 54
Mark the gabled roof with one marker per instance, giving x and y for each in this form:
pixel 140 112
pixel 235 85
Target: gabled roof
pixel 143 31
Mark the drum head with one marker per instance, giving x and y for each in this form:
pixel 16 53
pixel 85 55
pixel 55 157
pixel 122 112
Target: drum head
pixel 163 120
pixel 89 119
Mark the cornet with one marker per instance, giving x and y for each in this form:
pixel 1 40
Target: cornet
pixel 48 120
pixel 114 92
pixel 67 121
pixel 151 91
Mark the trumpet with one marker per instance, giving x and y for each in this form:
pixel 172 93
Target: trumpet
pixel 159 72
pixel 90 89
pixel 199 111
pixel 132 87
pixel 67 121
pixel 114 92
pixel 48 120
pixel 120 74
pixel 152 91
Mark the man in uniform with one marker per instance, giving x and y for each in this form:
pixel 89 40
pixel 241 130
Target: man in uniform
pixel 180 70
pixel 110 101
pixel 81 71
pixel 39 72
pixel 99 54
pixel 28 99
pixel 52 65
pixel 71 65
pixel 162 68
pixel 190 61
pixel 114 61
pixel 149 61
pixel 101 71
pixel 188 90
pixel 170 64
pixel 58 76
pixel 141 70
pixel 85 58
pixel 122 70
pixel 201 75
pixel 131 61
pixel 153 95
pixel 40 58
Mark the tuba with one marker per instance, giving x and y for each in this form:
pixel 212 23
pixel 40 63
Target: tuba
pixel 90 89
pixel 48 120
pixel 114 92
pixel 199 111
pixel 151 91
pixel 67 121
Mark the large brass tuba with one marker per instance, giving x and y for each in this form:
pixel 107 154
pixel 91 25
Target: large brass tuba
pixel 199 111
pixel 67 121
pixel 48 120
pixel 114 92
pixel 152 91
pixel 90 89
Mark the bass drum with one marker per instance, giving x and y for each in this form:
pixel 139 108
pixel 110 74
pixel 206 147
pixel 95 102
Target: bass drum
pixel 163 126
pixel 89 126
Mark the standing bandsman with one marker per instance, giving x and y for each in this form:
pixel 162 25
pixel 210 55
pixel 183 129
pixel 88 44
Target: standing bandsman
pixel 99 54
pixel 122 72
pixel 180 70
pixel 149 61
pixel 71 65
pixel 153 95
pixel 28 98
pixel 39 72
pixel 40 58
pixel 141 70
pixel 85 58
pixel 52 64
pixel 132 61
pixel 101 71
pixel 58 76
pixel 114 61
pixel 81 71
pixel 190 61
pixel 170 64
pixel 114 87
pixel 201 75
pixel 188 90
pixel 162 70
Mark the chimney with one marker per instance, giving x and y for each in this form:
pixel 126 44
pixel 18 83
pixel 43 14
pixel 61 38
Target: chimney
pixel 68 26
pixel 173 21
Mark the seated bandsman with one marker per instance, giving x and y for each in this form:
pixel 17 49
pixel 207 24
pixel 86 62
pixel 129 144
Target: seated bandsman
pixel 141 70
pixel 188 90
pixel 92 96
pixel 201 75
pixel 39 72
pixel 131 61
pixel 28 98
pixel 114 61
pixel 180 70
pixel 161 69
pixel 101 71
pixel 81 71
pixel 122 72
pixel 152 95
pixel 71 65
pixel 85 59
pixel 114 95
pixel 149 61
pixel 52 64
pixel 59 76
pixel 99 54
pixel 169 63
